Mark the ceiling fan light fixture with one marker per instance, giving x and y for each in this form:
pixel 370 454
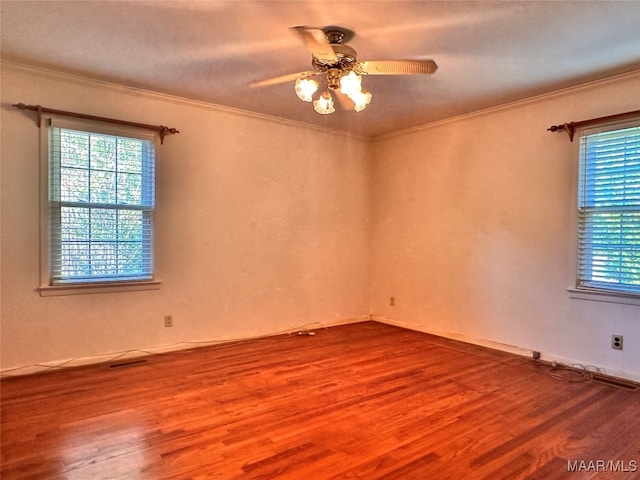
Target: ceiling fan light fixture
pixel 305 87
pixel 361 100
pixel 351 84
pixel 324 104
pixel 339 69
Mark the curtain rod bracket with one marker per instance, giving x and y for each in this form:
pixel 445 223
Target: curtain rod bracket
pixel 568 128
pixel 161 130
pixel 164 131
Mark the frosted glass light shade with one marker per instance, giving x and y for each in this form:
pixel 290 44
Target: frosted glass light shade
pixel 305 88
pixel 324 104
pixel 361 100
pixel 351 84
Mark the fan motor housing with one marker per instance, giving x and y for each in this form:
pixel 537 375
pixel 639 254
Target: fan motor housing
pixel 346 58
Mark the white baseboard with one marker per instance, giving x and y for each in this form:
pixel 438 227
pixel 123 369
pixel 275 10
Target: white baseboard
pixel 525 352
pixel 151 350
pixel 456 336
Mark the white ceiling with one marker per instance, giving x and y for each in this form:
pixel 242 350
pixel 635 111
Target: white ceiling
pixel 488 52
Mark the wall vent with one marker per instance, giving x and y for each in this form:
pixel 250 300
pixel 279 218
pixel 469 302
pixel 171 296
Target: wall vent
pixel 127 364
pixel 616 382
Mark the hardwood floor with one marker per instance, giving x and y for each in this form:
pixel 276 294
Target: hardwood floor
pixel 366 401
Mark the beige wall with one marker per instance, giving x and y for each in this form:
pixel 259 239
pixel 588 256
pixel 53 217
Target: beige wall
pixel 261 227
pixel 266 226
pixel 473 225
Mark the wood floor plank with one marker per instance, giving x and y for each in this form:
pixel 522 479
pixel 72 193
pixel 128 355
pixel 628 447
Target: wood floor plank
pixel 363 401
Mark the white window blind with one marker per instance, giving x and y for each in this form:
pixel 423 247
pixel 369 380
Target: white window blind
pixel 101 206
pixel 609 210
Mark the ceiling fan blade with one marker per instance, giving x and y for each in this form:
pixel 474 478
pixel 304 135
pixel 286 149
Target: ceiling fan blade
pixel 396 67
pixel 316 42
pixel 291 77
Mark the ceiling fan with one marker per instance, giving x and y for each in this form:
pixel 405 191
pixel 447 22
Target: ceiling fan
pixel 335 64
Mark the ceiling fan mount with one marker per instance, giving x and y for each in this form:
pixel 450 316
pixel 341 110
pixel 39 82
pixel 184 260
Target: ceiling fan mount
pixel 338 62
pixel 337 34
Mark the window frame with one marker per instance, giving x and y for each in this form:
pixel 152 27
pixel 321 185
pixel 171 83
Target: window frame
pixel 577 291
pixel 47 287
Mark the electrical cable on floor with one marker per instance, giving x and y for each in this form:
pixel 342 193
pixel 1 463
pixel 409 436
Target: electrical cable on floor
pixel 574 372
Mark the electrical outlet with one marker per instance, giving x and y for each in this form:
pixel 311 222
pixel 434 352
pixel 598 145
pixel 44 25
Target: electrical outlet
pixel 616 342
pixel 168 321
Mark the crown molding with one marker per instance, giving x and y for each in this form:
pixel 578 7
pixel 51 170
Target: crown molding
pixel 81 79
pixel 516 103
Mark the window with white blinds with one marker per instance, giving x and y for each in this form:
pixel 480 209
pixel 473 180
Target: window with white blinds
pixel 609 210
pixel 101 207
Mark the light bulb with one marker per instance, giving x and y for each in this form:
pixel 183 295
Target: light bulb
pixel 324 104
pixel 305 88
pixel 361 100
pixel 351 84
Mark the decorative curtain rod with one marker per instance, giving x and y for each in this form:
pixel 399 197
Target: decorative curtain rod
pixel 570 127
pixel 161 129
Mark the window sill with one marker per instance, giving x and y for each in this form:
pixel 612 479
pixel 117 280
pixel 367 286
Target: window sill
pixel 87 288
pixel 603 296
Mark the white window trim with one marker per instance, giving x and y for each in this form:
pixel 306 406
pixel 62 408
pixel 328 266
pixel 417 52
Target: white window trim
pixel 46 288
pixel 584 293
pixel 580 293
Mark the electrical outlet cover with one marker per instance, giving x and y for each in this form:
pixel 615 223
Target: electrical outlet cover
pixel 616 342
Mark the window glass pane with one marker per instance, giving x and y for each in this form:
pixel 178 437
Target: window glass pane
pixel 611 168
pixel 130 226
pixel 129 188
pixel 74 185
pixel 104 224
pixel 130 258
pixel 103 187
pixel 103 152
pixel 130 153
pixel 74 149
pixel 75 258
pixel 104 259
pixel 75 224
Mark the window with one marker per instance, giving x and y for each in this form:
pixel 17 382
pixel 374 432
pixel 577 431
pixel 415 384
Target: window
pixel 609 210
pixel 100 202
